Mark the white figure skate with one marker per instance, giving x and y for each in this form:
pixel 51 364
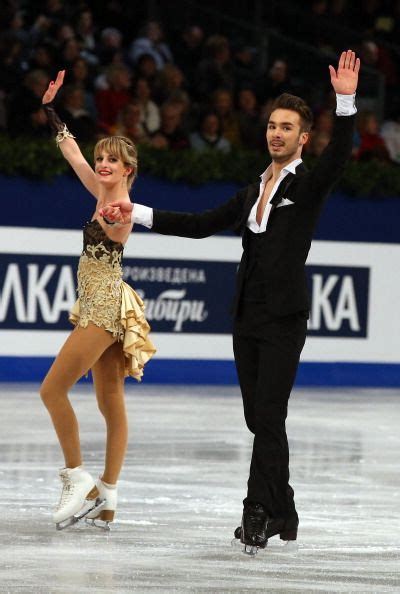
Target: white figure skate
pixel 101 518
pixel 79 496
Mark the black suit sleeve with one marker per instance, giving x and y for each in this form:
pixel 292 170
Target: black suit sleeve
pixel 330 165
pixel 199 225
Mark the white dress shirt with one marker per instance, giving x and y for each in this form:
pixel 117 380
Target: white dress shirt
pixel 345 106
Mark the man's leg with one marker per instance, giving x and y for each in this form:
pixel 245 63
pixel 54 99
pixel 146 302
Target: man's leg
pixel 279 353
pixel 246 353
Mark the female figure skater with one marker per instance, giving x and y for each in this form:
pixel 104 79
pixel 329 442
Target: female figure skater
pixel 110 334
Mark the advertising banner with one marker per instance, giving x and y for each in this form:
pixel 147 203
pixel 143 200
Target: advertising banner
pixel 188 287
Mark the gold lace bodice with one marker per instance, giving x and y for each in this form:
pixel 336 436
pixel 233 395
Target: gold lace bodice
pixel 100 279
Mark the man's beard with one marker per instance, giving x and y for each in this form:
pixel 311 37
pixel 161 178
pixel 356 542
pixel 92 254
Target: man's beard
pixel 281 158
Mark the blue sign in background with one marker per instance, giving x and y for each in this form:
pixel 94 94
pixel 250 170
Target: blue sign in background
pixel 346 303
pixel 206 300
pixel 37 291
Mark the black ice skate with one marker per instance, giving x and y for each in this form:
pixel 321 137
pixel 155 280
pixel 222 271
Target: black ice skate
pixel 285 527
pixel 253 531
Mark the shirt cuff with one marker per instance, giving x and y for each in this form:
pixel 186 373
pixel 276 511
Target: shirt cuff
pixel 345 105
pixel 143 215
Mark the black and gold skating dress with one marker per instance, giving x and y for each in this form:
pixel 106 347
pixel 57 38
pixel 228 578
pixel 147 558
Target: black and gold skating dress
pixel 107 301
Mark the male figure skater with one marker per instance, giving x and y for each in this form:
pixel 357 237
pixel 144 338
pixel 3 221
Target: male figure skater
pixel 276 218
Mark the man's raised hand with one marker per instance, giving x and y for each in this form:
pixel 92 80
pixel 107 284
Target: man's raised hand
pixel 345 79
pixel 53 87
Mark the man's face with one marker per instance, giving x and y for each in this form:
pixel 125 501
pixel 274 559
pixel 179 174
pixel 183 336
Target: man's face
pixel 285 139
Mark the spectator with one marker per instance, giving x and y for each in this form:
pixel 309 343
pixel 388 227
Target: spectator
pixel 216 70
pixel 80 76
pixel 378 57
pixel 151 42
pixel 72 111
pixel 111 100
pixel 275 82
pixel 170 85
pixel 391 135
pixel 188 53
pixel 209 134
pixel 252 130
pixel 146 68
pixel 245 65
pixel 319 140
pixel 171 133
pixel 69 52
pixel 26 116
pixel 223 105
pixel 63 33
pixel 324 122
pixel 149 112
pixel 42 58
pixel 372 145
pixel 85 30
pixel 11 64
pixel 110 45
pixel 129 124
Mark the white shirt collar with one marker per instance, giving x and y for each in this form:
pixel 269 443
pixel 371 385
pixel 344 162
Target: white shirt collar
pixel 289 168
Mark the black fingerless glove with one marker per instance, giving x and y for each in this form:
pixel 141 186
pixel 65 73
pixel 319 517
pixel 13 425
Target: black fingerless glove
pixel 57 126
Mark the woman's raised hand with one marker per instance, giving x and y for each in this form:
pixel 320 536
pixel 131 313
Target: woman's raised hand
pixel 53 87
pixel 118 212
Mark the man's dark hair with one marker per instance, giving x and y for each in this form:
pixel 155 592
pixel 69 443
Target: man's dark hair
pixel 297 104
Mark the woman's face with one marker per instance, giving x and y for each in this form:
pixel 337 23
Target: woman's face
pixel 109 169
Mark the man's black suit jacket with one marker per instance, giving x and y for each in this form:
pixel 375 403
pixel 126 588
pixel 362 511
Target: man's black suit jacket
pixel 287 239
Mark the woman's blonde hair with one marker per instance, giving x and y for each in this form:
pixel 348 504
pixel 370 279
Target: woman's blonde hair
pixel 124 149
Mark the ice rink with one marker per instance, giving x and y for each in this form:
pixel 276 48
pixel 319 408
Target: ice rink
pixel 181 494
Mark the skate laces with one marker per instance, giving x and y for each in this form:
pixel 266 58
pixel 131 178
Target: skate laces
pixel 67 491
pixel 255 519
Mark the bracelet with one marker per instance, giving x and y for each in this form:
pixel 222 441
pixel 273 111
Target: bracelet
pixel 63 134
pixel 107 222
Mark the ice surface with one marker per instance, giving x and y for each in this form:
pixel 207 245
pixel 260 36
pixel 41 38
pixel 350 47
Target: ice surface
pixel 181 494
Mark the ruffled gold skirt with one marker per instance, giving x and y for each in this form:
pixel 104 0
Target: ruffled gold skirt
pixel 133 330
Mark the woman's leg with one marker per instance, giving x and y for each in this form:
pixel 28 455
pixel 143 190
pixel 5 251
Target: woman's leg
pixel 108 376
pixel 82 349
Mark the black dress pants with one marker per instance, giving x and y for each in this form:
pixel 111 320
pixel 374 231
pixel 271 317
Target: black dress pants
pixel 267 349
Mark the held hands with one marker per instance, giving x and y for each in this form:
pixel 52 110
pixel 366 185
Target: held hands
pixel 345 79
pixel 53 87
pixel 118 212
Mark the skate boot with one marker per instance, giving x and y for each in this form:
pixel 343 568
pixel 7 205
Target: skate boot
pixel 79 496
pixel 101 518
pixel 253 531
pixel 285 527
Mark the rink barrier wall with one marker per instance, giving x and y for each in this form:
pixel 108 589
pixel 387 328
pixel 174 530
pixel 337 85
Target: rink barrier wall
pixel 203 372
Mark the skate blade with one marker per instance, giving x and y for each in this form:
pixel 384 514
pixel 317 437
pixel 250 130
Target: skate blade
pixel 100 524
pixel 99 504
pixel 249 550
pixel 66 523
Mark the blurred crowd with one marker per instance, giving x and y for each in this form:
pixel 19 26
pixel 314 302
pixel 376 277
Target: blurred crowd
pixel 191 89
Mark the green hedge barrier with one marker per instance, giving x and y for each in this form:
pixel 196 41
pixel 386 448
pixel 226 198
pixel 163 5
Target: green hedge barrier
pixel 40 159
